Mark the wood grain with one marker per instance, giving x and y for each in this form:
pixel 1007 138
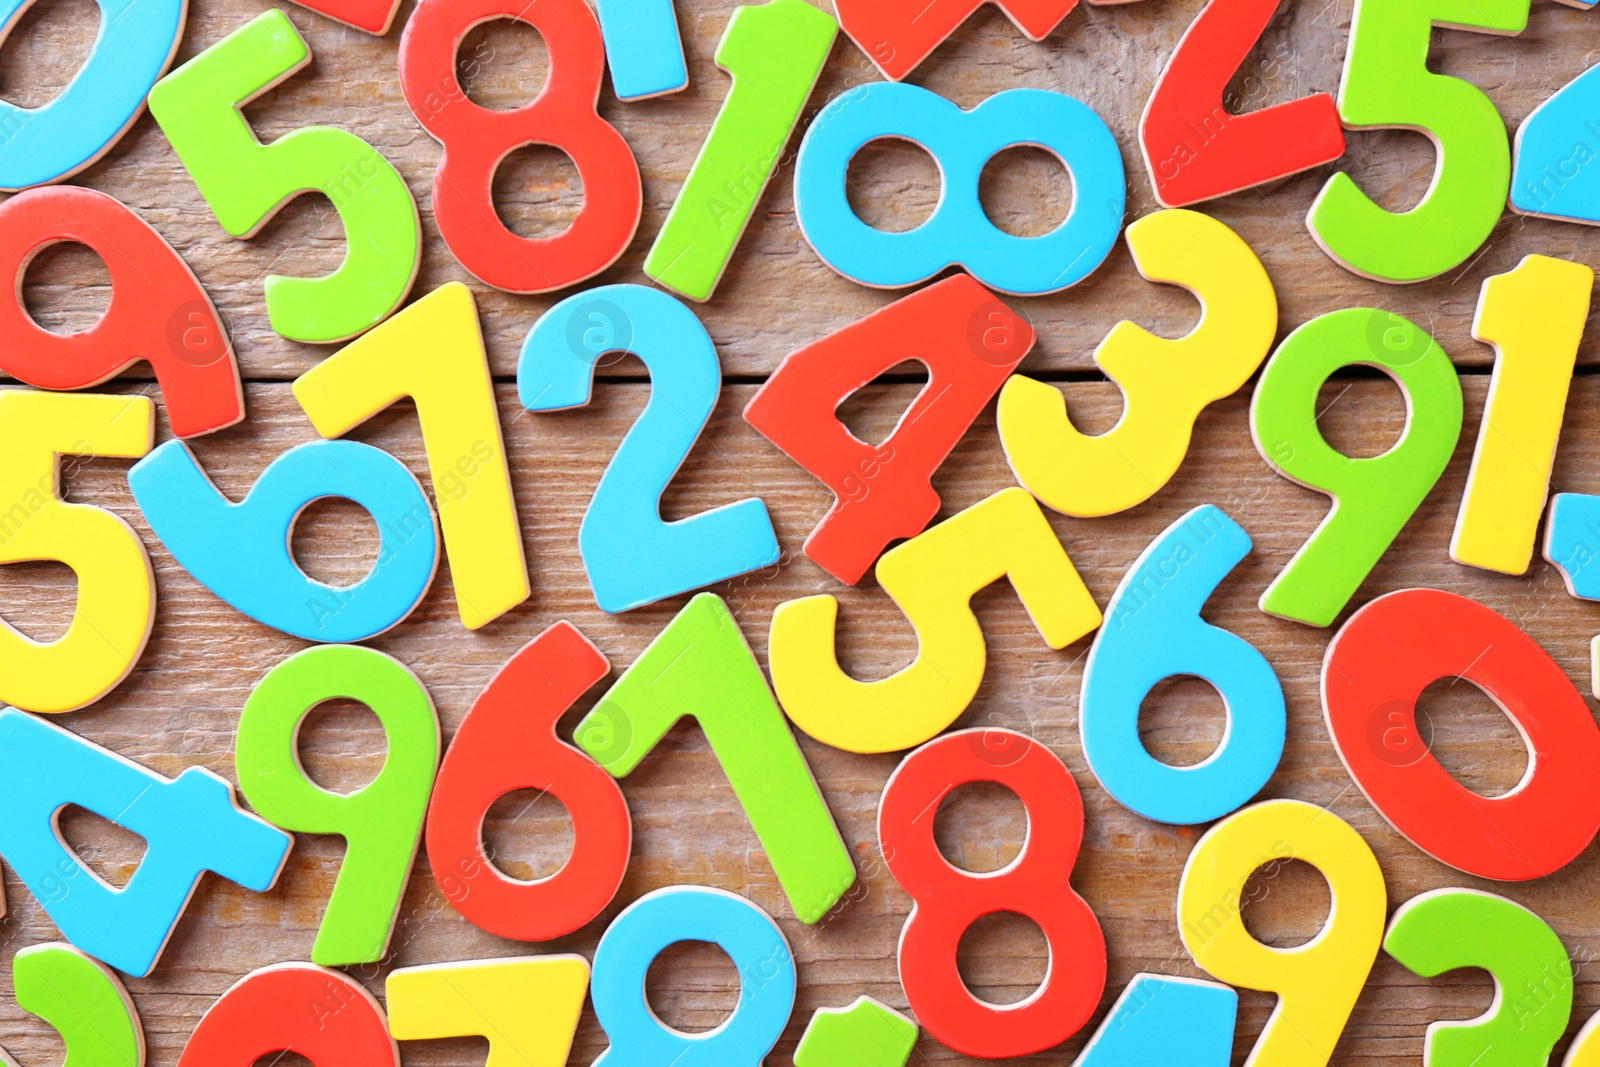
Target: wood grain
pixel 777 295
pixel 181 705
pixel 180 709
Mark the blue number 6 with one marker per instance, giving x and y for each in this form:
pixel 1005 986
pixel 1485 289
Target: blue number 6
pixel 1153 630
pixel 632 557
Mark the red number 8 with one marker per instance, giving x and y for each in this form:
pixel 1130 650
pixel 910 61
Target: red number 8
pixel 476 140
pixel 949 900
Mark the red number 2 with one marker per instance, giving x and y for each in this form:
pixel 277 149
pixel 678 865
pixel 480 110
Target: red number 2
pixel 476 140
pixel 1195 148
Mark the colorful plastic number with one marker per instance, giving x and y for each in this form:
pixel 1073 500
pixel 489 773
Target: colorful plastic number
pixel 1160 1019
pixel 527 1006
pixel 80 124
pixel 866 1034
pixel 382 821
pixel 1534 317
pixel 1572 542
pixel 1373 498
pixel 1446 929
pixel 948 900
pixel 1387 84
pixel 1317 983
pixel 633 557
pixel 643 48
pixel 1551 176
pixel 190 825
pixel 432 352
pixel 1157 1019
pixel 241 551
pixel 477 139
pixel 321 1015
pixel 116 588
pixel 899 34
pixel 1166 383
pixel 1195 148
pixel 958 232
pixel 931 579
pixel 1585 1048
pixel 1153 630
pixel 369 16
pixel 774 52
pixel 691 913
pixel 968 340
pixel 158 310
pixel 508 741
pixel 1377 666
pixel 84 1002
pixel 700 665
pixel 245 182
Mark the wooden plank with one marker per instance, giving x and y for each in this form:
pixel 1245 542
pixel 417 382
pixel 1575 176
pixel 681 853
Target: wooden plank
pixel 777 294
pixel 203 658
pixel 180 708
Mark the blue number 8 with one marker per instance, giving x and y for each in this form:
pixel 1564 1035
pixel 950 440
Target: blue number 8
pixel 958 232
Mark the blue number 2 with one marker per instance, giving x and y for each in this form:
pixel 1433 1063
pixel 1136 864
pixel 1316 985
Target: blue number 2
pixel 631 555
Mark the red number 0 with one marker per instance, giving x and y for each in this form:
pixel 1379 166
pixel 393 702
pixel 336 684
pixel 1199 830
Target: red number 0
pixel 949 900
pixel 1379 664
pixel 1195 148
pixel 476 139
pixel 508 741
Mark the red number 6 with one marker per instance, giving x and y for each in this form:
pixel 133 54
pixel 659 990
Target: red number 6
pixel 476 140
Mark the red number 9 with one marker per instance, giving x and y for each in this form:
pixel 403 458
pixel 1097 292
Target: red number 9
pixel 158 311
pixel 949 900
pixel 476 140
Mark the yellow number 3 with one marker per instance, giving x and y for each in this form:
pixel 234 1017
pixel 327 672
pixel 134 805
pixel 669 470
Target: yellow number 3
pixel 116 590
pixel 1167 383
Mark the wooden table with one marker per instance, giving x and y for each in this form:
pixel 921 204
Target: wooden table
pixel 180 707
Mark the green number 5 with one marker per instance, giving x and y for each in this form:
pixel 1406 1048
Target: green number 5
pixel 245 182
pixel 1387 84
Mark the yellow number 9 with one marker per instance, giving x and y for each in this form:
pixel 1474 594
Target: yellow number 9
pixel 1317 983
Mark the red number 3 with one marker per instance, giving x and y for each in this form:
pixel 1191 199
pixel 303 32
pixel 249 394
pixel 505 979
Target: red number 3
pixel 949 900
pixel 476 140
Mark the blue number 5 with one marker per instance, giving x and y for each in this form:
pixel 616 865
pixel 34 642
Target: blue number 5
pixel 632 557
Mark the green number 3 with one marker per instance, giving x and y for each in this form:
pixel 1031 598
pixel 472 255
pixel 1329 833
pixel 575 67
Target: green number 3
pixel 245 182
pixel 1386 84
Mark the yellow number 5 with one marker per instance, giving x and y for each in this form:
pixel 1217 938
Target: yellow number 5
pixel 116 590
